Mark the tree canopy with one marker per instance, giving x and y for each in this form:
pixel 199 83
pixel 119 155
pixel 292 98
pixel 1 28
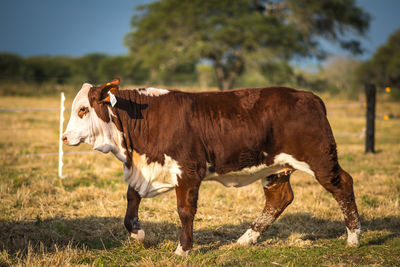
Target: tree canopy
pixel 383 68
pixel 233 35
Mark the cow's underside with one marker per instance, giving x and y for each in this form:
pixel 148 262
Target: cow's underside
pixel 175 140
pixel 248 175
pixel 150 180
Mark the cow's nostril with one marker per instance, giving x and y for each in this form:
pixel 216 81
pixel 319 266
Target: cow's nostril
pixel 64 139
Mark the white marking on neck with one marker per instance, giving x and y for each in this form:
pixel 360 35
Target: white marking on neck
pixel 284 158
pixel 151 91
pixel 107 137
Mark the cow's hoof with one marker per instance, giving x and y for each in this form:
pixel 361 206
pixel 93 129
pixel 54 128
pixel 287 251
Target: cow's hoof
pixel 138 235
pixel 353 238
pixel 180 252
pixel 352 245
pixel 248 238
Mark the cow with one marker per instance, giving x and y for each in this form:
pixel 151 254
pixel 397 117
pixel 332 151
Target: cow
pixel 175 140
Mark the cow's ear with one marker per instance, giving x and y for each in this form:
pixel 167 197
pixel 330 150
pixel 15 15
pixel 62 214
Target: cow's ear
pixel 112 87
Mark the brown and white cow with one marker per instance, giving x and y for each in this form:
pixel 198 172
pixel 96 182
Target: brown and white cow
pixel 168 139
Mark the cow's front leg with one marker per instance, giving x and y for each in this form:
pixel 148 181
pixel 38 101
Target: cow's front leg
pixel 278 195
pixel 131 217
pixel 187 194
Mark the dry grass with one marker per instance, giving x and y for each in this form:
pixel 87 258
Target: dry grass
pixel 79 220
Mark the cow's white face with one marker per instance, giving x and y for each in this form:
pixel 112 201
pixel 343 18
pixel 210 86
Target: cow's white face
pixel 85 125
pixel 78 129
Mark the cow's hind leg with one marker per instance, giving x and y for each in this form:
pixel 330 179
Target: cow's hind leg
pixel 131 217
pixel 340 185
pixel 278 195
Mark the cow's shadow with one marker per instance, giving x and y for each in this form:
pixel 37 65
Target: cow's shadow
pixel 109 232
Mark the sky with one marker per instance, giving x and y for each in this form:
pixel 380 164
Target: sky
pixel 78 27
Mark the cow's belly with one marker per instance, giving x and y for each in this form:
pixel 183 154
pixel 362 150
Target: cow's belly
pixel 245 176
pixel 151 179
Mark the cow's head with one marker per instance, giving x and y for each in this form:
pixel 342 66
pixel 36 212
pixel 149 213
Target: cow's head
pixel 90 120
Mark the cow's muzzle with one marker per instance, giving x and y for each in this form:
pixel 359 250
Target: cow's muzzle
pixel 64 138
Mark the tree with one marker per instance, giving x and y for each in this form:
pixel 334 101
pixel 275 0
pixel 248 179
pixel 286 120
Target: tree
pixel 233 34
pixel 114 66
pixel 88 65
pixel 123 67
pixel 42 69
pixel 339 73
pixel 11 66
pixel 383 68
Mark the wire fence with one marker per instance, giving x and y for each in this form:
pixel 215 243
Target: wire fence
pixel 60 153
pixel 31 109
pixel 57 153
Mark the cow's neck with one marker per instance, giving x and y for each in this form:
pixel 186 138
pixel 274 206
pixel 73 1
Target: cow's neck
pixel 132 128
pixel 148 171
pixel 107 137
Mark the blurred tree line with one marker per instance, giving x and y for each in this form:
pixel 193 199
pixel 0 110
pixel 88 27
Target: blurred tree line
pixel 93 68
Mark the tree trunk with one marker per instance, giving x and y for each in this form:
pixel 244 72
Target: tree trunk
pixel 370 92
pixel 219 71
pixel 225 78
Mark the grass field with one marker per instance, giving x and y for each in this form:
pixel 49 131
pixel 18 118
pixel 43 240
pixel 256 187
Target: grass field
pixel 79 220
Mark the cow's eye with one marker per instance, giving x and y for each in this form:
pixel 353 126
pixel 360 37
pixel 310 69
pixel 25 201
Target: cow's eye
pixel 82 111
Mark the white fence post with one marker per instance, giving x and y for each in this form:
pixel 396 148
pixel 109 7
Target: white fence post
pixel 60 148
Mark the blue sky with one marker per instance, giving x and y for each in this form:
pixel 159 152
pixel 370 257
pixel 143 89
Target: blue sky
pixel 77 27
